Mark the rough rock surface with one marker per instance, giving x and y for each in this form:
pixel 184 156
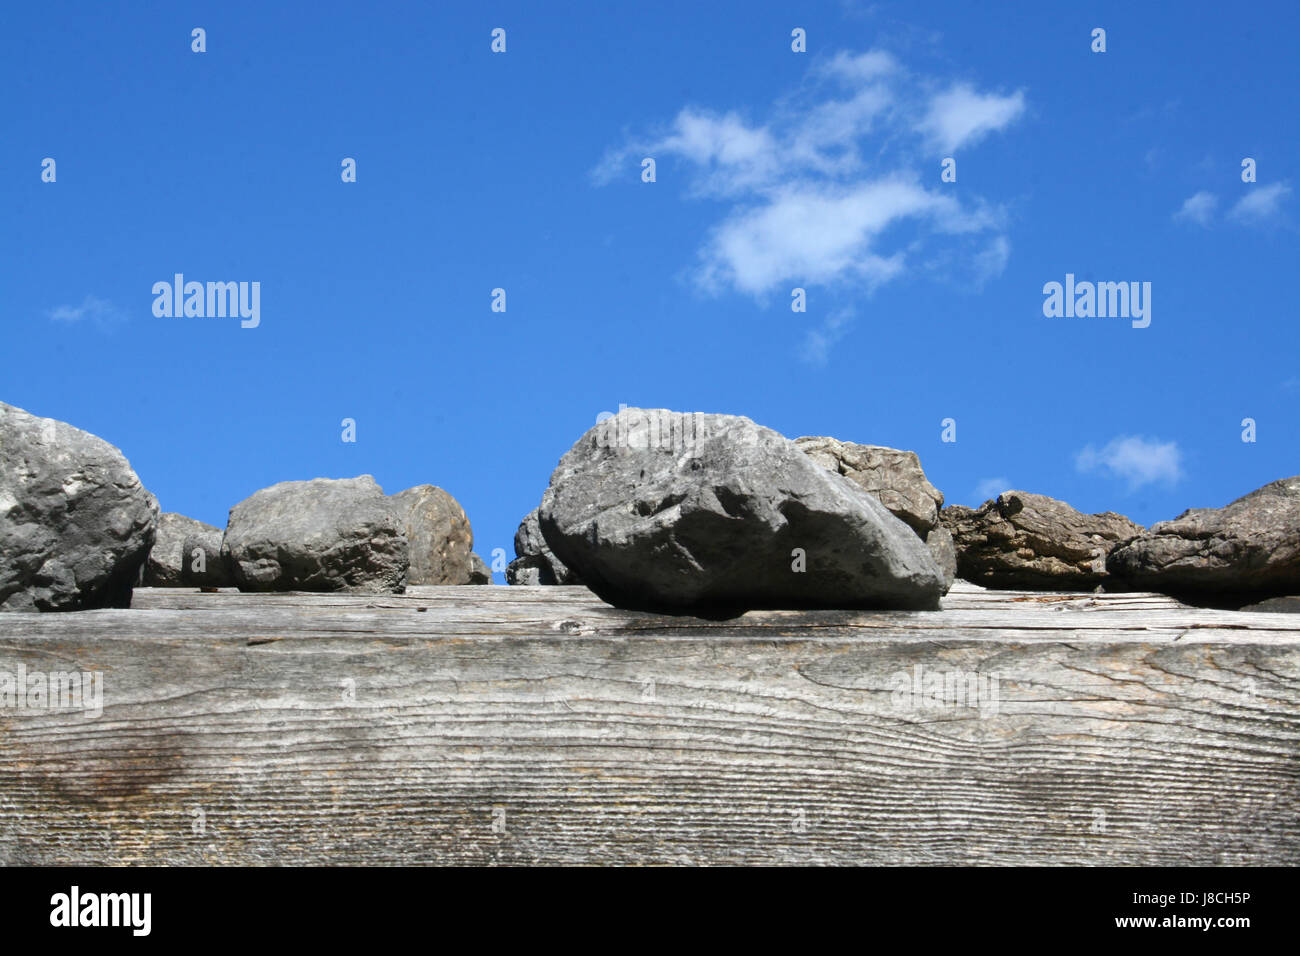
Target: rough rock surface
pixel 439 535
pixel 479 572
pixel 895 477
pixel 534 561
pixel 75 523
pixel 215 571
pixel 318 535
pixel 1289 604
pixel 897 480
pixel 171 561
pixel 526 572
pixel 944 551
pixel 1247 550
pixel 657 509
pixel 1023 540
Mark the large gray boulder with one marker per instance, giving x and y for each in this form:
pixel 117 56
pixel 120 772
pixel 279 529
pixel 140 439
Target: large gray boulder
pixel 319 535
pixel 439 535
pixel 657 509
pixel 1023 540
pixel 535 563
pixel 75 523
pixel 186 553
pixel 896 479
pixel 1246 550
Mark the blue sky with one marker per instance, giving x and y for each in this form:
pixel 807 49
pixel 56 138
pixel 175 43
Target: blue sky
pixel 774 170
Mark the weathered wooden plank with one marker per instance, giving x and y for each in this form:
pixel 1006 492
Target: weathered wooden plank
pixel 522 725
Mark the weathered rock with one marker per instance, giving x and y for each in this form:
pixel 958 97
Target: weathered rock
pixel 213 570
pixel 534 561
pixel 439 535
pixel 479 572
pixel 1289 604
pixel 1246 550
pixel 658 509
pixel 172 562
pixel 318 535
pixel 894 477
pixel 897 480
pixel 522 571
pixel 1022 540
pixel 75 523
pixel 944 551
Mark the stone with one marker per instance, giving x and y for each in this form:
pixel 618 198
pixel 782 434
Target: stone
pixel 897 480
pixel 1289 604
pixel 663 510
pixel 894 477
pixel 439 535
pixel 1243 552
pixel 1023 540
pixel 214 572
pixel 479 572
pixel 319 535
pixel 171 561
pixel 76 525
pixel 523 572
pixel 944 551
pixel 534 561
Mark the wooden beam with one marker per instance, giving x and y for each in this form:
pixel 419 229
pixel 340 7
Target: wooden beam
pixel 538 725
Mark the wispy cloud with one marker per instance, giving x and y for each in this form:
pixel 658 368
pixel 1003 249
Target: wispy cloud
pixel 992 260
pixel 815 187
pixel 859 67
pixel 92 311
pixel 821 234
pixel 962 116
pixel 817 344
pixel 991 488
pixel 1139 461
pixel 1260 204
pixel 1198 208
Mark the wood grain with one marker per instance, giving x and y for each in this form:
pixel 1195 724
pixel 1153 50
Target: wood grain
pixel 538 725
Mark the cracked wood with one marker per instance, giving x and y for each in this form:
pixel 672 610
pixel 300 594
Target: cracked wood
pixel 538 725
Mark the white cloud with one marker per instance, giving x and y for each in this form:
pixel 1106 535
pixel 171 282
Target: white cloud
pixel 730 155
pixel 962 117
pixel 1260 204
pixel 825 141
pixel 859 67
pixel 806 207
pixel 92 310
pixel 992 260
pixel 817 234
pixel 817 344
pixel 991 488
pixel 1198 208
pixel 1139 461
